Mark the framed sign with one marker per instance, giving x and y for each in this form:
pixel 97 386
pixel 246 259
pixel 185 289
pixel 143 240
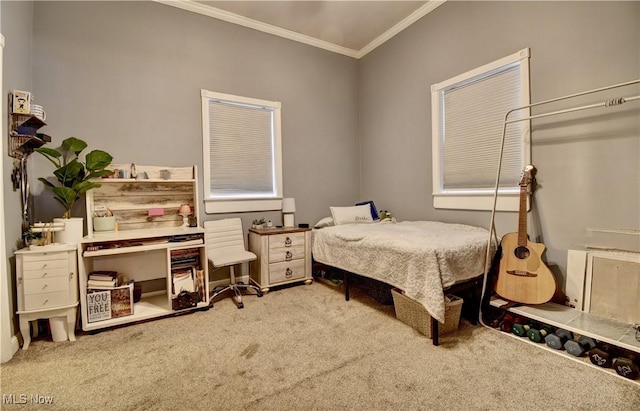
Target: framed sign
pixel 98 305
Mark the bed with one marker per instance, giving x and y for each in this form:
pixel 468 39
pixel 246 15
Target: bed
pixel 422 258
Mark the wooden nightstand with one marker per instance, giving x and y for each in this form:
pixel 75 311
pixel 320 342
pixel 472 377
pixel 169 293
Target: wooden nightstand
pixel 284 256
pixel 47 283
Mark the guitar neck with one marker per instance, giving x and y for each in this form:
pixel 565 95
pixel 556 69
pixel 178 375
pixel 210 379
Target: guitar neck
pixel 522 217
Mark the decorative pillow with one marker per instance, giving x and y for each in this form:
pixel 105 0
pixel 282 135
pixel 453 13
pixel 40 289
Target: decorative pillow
pixel 374 210
pixel 325 222
pixel 355 214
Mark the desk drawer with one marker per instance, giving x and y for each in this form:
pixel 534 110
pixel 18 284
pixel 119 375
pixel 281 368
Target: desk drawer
pixel 41 264
pixel 46 300
pixel 286 271
pixel 277 255
pixel 46 273
pixel 286 240
pixel 45 285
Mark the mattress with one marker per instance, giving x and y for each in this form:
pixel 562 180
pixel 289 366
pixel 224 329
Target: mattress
pixel 422 258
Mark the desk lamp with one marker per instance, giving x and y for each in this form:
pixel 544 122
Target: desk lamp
pixel 288 208
pixel 185 212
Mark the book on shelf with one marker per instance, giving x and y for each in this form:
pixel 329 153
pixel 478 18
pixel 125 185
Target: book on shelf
pixel 182 280
pixel 102 284
pixel 122 301
pixel 105 279
pixel 104 304
pixel 103 275
pixel 200 286
pixel 188 255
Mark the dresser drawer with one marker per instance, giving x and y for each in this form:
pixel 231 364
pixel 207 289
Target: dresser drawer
pixel 54 255
pixel 277 255
pixel 45 285
pixel 46 273
pixel 287 240
pixel 41 264
pixel 46 300
pixel 286 271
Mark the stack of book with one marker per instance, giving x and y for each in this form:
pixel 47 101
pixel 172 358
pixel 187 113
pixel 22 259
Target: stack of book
pixel 103 279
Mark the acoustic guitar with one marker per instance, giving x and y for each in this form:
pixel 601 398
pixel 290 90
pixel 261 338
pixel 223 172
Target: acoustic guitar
pixel 522 276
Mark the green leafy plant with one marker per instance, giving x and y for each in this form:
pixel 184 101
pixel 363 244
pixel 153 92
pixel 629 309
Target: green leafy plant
pixel 260 221
pixel 29 237
pixel 74 176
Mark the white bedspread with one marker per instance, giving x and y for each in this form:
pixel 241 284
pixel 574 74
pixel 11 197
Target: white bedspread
pixel 419 257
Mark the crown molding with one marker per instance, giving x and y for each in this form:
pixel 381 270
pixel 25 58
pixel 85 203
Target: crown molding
pixel 233 18
pixel 409 20
pixel 229 17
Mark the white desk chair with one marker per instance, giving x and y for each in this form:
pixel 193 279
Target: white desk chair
pixel 225 248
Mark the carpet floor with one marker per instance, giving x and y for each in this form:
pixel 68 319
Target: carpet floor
pixel 302 348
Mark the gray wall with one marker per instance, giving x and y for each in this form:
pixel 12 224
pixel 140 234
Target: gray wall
pixel 17 28
pixel 588 172
pixel 126 77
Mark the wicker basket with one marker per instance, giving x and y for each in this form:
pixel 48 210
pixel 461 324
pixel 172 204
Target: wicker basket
pixel 414 314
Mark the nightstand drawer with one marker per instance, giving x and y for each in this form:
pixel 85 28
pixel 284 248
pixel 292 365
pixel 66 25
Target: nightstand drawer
pixel 286 271
pixel 40 264
pixel 45 285
pixel 46 300
pixel 46 273
pixel 277 255
pixel 287 240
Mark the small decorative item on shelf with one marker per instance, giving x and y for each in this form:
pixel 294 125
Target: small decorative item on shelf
pixel 104 223
pixel 21 102
pixel 103 220
pixel 185 212
pixel 185 299
pixel 165 174
pixel 38 111
pixel 41 234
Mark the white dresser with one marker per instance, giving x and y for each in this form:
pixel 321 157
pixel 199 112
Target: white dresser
pixel 47 286
pixel 284 256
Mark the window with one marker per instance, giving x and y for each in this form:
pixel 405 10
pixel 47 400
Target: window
pixel 467 114
pixel 242 153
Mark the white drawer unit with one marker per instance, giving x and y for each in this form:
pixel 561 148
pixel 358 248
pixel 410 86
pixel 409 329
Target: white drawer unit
pixel 47 286
pixel 284 256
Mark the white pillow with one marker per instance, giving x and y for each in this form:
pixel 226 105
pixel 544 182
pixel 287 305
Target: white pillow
pixel 354 214
pixel 325 222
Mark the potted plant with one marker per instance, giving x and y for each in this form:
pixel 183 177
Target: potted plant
pixel 259 223
pixel 73 176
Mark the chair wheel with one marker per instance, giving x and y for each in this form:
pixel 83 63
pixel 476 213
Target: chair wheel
pixel 240 305
pixel 260 293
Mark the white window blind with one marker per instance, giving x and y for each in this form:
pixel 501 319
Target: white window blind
pixel 468 115
pixel 242 153
pixel 472 129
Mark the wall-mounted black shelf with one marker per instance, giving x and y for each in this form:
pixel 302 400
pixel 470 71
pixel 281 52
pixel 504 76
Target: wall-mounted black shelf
pixel 23 133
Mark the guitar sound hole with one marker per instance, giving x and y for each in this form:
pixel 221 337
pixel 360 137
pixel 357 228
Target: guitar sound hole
pixel 521 252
